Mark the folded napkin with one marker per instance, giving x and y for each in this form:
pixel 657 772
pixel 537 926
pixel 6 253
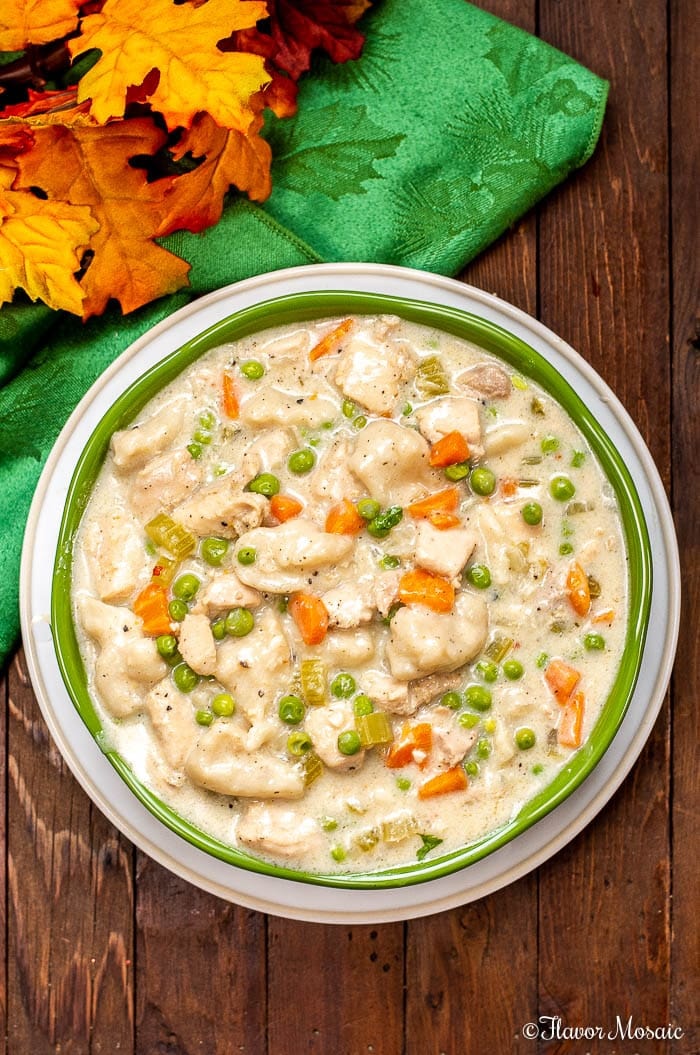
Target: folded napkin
pixel 450 126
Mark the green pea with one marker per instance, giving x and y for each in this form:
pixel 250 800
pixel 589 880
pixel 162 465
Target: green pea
pixel 389 561
pixel 343 686
pixel 246 555
pixel 207 419
pixel 185 587
pixel 166 645
pixel 338 854
pixel 538 768
pixel 348 408
pixel 487 670
pixel 359 422
pixel 213 550
pixel 541 661
pixel 362 705
pixel 223 705
pixel 406 410
pixel 513 669
pixel 482 481
pixel 203 717
pixel 561 488
pixel 549 445
pixel 458 471
pixel 329 824
pixel 472 769
pixel 252 369
pixel 291 710
pixel 566 549
pixel 298 743
pixel 478 697
pixel 177 610
pixel 525 738
pixel 301 462
pixel 468 720
pixel 403 783
pixel 264 484
pixel 239 622
pixel 381 525
pixel 577 459
pixel 349 742
pixel 594 642
pixel 184 677
pixel 194 450
pixel 453 700
pixel 483 748
pixel 532 513
pixel 218 629
pixel 479 575
pixel 368 508
pixel 200 436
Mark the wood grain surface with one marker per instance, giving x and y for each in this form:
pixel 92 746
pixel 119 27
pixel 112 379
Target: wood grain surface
pixel 105 951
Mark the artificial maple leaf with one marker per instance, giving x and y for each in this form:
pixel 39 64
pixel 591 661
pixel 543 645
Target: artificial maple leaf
pixel 24 22
pixel 179 41
pixel 229 157
pixel 41 246
pixel 45 102
pixel 298 27
pixel 88 165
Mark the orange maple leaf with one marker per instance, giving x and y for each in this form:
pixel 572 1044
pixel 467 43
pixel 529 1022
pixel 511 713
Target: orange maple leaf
pixel 25 22
pixel 229 157
pixel 179 42
pixel 41 246
pixel 88 165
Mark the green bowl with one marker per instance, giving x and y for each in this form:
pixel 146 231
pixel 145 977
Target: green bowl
pixel 522 358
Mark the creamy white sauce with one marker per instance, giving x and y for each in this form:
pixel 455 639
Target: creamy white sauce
pixel 187 459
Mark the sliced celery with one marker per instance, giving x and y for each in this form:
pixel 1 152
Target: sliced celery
pixel 164 570
pixel 499 648
pixel 367 839
pixel 313 768
pixel 395 829
pixel 374 729
pixel 431 379
pixel 314 682
pixel 165 532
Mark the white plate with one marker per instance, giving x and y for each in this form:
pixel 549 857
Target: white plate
pixel 284 897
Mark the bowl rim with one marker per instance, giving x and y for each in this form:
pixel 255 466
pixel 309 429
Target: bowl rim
pixel 316 304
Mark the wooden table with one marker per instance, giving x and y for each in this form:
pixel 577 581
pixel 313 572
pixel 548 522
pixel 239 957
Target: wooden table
pixel 107 952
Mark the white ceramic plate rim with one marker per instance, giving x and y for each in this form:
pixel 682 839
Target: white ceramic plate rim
pixel 297 900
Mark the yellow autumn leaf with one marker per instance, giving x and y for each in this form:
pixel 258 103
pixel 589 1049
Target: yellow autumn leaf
pixel 41 245
pixel 25 22
pixel 178 41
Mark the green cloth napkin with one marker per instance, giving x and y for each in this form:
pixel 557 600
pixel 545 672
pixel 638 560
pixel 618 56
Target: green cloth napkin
pixel 450 126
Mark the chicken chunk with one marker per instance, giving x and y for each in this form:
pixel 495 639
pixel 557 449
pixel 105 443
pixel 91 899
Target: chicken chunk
pixel 118 562
pixel 333 480
pixel 324 724
pixel 164 481
pixel 222 508
pixel 197 645
pixel 348 605
pixel 451 741
pixel 273 406
pixel 252 668
pixel 426 689
pixel 285 555
pixel 224 591
pixel 134 446
pixel 392 463
pixel 220 763
pixel 423 642
pixel 172 719
pixel 486 380
pixel 452 414
pixel 387 691
pixel 276 829
pixel 268 452
pixel 372 374
pixel 127 661
pixel 444 552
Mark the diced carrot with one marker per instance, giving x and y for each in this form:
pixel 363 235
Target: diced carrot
pixel 571 722
pixel 151 606
pixel 562 679
pixel 344 519
pixel 419 586
pixel 311 617
pixel 330 342
pixel 443 521
pixel 604 617
pixel 284 507
pixel 449 450
pixel 229 402
pixel 442 502
pixel 578 590
pixel 451 780
pixel 508 486
pixel 413 738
